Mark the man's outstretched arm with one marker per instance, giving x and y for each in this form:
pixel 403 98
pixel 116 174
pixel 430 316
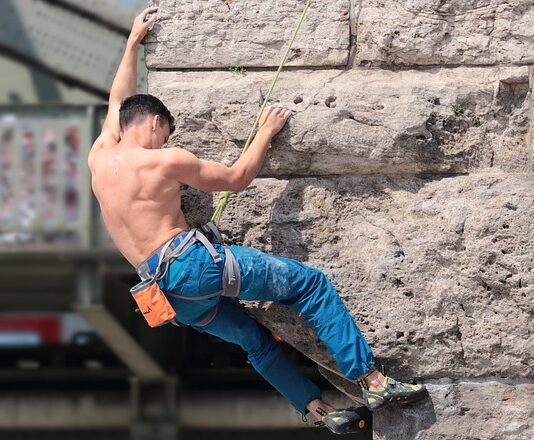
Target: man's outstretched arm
pixel 125 82
pixel 207 175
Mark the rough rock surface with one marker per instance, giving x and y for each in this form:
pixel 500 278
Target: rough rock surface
pixel 432 32
pixel 359 121
pixel 437 272
pixel 431 269
pixel 489 409
pixel 405 174
pixel 232 33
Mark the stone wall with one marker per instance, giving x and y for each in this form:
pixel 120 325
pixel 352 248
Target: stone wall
pixel 405 174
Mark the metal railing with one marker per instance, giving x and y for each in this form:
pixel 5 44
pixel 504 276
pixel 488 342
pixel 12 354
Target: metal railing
pixel 45 192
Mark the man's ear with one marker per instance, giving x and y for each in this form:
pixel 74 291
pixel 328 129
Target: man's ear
pixel 155 122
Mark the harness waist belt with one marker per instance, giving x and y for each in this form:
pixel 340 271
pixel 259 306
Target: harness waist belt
pixel 156 265
pixel 148 269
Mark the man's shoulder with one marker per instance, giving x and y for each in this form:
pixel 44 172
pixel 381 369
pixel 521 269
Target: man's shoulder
pixel 176 154
pixel 177 164
pixel 103 142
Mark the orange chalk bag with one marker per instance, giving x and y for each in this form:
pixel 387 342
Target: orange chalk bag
pixel 153 303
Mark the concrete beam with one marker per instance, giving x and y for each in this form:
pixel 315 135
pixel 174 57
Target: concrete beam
pixel 121 343
pixel 110 410
pixel 54 273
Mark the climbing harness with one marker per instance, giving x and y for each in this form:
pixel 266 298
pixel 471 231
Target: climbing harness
pixel 153 302
pixel 225 196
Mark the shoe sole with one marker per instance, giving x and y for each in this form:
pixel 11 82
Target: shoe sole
pixel 361 421
pixel 403 400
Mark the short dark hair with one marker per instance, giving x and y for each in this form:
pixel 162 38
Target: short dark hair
pixel 136 107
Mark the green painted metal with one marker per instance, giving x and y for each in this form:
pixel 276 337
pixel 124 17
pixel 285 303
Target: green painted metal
pixel 23 84
pixel 70 45
pixel 122 343
pixel 118 13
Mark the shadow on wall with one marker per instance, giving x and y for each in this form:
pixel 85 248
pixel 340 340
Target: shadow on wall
pixel 284 229
pixel 287 221
pixel 197 206
pixel 408 419
pixel 291 229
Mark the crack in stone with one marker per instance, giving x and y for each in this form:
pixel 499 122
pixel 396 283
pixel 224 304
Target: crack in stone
pixel 227 3
pixel 459 334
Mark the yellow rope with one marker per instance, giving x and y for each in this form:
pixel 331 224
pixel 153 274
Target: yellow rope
pixel 225 196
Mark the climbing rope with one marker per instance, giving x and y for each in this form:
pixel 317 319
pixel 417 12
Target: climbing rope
pixel 225 196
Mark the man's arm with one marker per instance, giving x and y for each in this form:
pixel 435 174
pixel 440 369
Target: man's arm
pixel 207 175
pixel 125 82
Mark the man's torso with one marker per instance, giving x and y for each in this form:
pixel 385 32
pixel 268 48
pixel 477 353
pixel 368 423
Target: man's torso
pixel 140 207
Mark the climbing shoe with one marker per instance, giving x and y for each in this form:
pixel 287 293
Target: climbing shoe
pixel 393 391
pixel 346 421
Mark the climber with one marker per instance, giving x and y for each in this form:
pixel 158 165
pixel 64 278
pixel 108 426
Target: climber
pixel 137 184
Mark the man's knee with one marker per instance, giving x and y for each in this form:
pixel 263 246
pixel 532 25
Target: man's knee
pixel 261 350
pixel 318 281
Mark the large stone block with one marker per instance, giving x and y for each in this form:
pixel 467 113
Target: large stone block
pixel 425 32
pixel 438 273
pixel 359 121
pixel 226 33
pixel 488 409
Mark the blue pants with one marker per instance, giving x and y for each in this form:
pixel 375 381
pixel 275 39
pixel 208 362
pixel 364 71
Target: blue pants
pixel 264 277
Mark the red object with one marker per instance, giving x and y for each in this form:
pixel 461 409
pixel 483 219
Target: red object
pixel 277 338
pixel 47 327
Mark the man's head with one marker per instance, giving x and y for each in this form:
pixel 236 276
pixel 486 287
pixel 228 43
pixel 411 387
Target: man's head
pixel 150 113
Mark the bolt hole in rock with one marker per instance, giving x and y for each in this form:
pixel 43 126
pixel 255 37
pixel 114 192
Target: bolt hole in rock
pixel 298 100
pixel 330 101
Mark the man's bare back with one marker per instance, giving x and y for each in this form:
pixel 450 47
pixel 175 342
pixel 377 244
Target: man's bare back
pixel 140 205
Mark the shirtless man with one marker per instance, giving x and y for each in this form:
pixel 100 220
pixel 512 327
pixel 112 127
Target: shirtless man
pixel 137 183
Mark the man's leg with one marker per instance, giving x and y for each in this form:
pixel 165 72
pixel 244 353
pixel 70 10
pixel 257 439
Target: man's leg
pixel 233 325
pixel 263 273
pixel 197 275
pixel 311 294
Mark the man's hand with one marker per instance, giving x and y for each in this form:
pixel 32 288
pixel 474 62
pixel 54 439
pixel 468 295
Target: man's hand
pixel 274 118
pixel 142 24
